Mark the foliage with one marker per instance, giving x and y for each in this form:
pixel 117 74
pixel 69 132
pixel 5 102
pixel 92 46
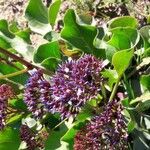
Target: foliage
pixel 62 76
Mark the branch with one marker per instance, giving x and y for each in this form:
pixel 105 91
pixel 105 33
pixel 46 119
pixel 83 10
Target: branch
pixel 115 89
pixel 29 65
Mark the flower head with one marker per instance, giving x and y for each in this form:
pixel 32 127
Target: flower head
pixel 3 108
pixel 6 92
pixel 29 137
pixel 104 132
pixel 74 83
pixel 36 93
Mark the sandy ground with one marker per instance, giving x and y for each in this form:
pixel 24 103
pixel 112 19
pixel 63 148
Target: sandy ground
pixel 13 10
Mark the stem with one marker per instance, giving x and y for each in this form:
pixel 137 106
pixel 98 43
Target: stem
pixel 59 123
pixel 24 62
pixel 128 87
pixel 115 89
pixel 103 91
pixel 14 74
pixel 143 64
pixel 12 82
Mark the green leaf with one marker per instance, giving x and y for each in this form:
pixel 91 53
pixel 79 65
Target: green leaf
pixel 142 98
pixel 53 141
pixel 4 29
pixel 110 50
pixel 15 119
pixel 131 126
pixel 145 33
pixel 37 16
pixel 123 21
pixel 143 102
pixel 121 60
pixel 85 18
pixel 81 119
pixel 140 141
pixel 145 81
pixel 22 47
pixel 9 139
pixel 93 102
pixel 48 50
pixel 51 120
pixel 143 106
pixel 53 11
pixel 125 102
pixel 25 35
pixel 13 27
pixel 124 38
pixel 85 114
pixel 70 134
pixel 111 75
pixel 147 123
pixel 18 104
pixel 50 63
pixel 80 36
pixel 4 44
pixel 7 69
pixel 147 52
pixel 17 42
pixel 52 36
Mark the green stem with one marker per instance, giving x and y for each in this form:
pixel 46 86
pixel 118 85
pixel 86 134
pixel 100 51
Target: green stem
pixel 115 89
pixel 103 91
pixel 128 87
pixel 24 62
pixel 14 74
pixel 143 64
pixel 59 123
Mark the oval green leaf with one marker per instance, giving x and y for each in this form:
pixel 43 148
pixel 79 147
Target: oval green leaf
pixel 48 50
pixel 53 11
pixel 123 21
pixel 121 60
pixel 80 36
pixel 37 16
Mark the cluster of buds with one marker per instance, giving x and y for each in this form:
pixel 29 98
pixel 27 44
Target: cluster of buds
pixel 74 83
pixel 34 95
pixel 29 137
pixel 6 92
pixel 3 113
pixel 104 132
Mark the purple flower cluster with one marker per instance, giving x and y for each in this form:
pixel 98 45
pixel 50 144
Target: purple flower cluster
pixel 29 137
pixel 34 95
pixel 3 108
pixel 45 93
pixel 74 83
pixel 6 92
pixel 104 132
